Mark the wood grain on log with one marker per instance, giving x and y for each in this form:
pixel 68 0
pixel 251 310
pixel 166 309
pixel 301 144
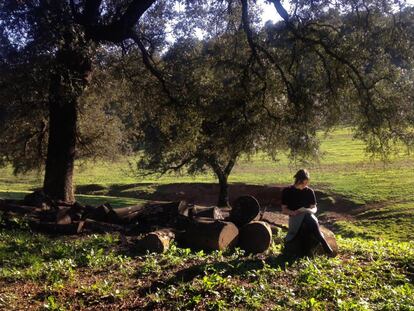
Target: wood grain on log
pixel 124 214
pixel 212 212
pixel 157 241
pixel 210 235
pixel 255 237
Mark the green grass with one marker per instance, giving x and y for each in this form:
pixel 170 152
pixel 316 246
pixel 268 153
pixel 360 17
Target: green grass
pixel 343 169
pixel 94 272
pixel 374 270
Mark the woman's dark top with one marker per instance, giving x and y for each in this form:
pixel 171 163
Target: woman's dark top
pixel 295 198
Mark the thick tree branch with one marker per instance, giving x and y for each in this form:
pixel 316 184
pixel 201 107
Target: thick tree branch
pixel 120 29
pixel 151 67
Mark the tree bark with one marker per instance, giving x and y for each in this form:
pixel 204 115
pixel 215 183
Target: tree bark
pixel 223 199
pixel 222 175
pixel 69 77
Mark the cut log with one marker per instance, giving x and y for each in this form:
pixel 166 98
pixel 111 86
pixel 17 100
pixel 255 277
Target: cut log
pixel 305 244
pixel 16 208
pixel 53 227
pixel 244 210
pixel 157 241
pixel 255 237
pixel 38 199
pixel 62 215
pixel 210 235
pixel 59 215
pixel 162 214
pixel 330 238
pixel 98 226
pixel 124 213
pixel 100 213
pixel 212 212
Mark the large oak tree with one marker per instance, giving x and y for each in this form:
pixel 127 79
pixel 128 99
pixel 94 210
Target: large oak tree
pixel 67 35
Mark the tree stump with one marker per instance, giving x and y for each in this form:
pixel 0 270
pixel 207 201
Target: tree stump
pixel 244 210
pixel 255 237
pixel 210 235
pixel 305 244
pixel 158 241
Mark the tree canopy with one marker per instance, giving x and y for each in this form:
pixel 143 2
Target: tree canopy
pixel 69 91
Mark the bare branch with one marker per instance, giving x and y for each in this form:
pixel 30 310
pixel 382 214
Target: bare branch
pixel 151 67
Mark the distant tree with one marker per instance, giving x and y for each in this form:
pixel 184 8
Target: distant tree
pixel 274 88
pixel 351 62
pixel 219 113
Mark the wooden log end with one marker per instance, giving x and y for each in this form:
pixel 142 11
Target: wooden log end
pixel 228 237
pixel 157 241
pixel 255 237
pixel 208 234
pixel 244 210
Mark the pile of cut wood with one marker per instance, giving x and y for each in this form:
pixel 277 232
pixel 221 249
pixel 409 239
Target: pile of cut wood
pixel 159 223
pixel 197 227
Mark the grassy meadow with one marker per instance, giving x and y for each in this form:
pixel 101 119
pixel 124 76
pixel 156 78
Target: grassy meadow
pixel 343 169
pixel 374 270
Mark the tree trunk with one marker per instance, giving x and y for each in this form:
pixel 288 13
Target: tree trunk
pixel 58 182
pixel 222 175
pixel 69 77
pixel 223 200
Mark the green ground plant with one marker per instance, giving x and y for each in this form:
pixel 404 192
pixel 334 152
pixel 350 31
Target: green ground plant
pixel 374 270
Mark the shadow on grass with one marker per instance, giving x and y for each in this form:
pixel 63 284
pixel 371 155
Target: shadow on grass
pixel 82 198
pixel 237 267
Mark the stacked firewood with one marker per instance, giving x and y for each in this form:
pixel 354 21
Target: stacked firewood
pixel 158 223
pixel 198 227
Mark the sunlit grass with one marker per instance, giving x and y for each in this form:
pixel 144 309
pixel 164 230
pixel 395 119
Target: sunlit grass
pixel 343 168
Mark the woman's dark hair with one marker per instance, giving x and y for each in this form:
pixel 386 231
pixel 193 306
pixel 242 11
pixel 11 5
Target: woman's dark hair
pixel 301 176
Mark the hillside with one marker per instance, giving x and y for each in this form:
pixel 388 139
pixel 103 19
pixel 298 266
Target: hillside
pixel 368 204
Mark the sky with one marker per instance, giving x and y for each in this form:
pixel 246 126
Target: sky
pixel 269 11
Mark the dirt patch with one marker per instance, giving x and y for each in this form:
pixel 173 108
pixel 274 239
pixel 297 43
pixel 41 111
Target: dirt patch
pixel 331 207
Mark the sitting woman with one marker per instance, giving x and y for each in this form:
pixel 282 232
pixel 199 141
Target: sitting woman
pixel 299 202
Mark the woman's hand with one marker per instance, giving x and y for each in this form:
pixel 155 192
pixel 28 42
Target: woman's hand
pixel 289 212
pixel 311 209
